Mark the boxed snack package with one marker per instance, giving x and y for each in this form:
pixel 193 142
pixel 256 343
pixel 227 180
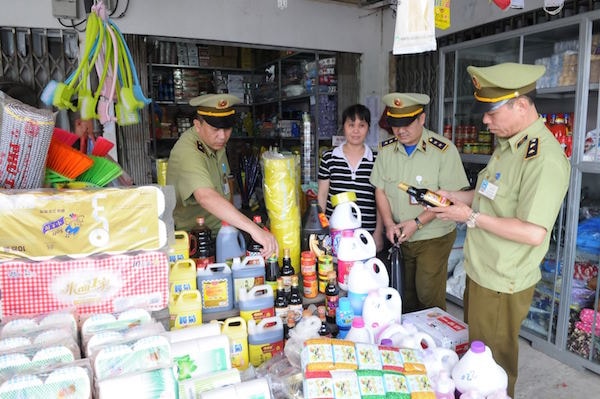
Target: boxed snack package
pixel 446 330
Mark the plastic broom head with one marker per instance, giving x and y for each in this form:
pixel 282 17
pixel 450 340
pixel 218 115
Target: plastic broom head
pixel 64 136
pixel 102 172
pixel 67 161
pixel 102 146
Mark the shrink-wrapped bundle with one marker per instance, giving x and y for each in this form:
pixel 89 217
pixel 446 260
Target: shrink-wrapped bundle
pixel 25 134
pixel 280 184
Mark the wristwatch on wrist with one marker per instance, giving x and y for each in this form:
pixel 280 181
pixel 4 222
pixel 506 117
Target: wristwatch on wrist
pixel 472 220
pixel 419 224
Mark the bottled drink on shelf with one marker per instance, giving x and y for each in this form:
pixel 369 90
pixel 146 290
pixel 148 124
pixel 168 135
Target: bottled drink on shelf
pixel 288 326
pixel 295 302
pixel 272 272
pixel 281 302
pixel 425 196
pixel 324 330
pixel 202 244
pixel 332 293
pixel 287 271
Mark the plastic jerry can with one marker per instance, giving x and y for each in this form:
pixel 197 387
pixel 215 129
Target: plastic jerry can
pixel 236 330
pixel 258 303
pixel 363 278
pixel 182 276
pixel 247 273
pixel 216 287
pixel 185 309
pixel 265 339
pixel 230 243
pixel 346 215
pixel 353 245
pixel 180 248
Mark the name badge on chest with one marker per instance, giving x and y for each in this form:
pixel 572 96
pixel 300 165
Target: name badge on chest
pixel 488 189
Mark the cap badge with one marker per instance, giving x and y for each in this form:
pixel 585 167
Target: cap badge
pixel 222 104
pixel 476 82
pixel 397 103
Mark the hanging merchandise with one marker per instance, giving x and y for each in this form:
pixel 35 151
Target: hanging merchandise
pixel 107 52
pixel 415 27
pixel 281 184
pixel 442 14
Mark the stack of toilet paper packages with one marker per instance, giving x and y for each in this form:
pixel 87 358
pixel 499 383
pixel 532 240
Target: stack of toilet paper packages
pixel 335 368
pixel 40 358
pixel 129 354
pixel 98 284
pixel 46 223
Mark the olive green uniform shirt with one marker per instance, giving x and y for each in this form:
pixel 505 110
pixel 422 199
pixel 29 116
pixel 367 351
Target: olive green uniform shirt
pixel 435 164
pixel 531 173
pixel 192 165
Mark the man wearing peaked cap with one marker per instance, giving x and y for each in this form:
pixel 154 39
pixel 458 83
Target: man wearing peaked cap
pixel 496 85
pixel 511 211
pixel 424 159
pixel 198 169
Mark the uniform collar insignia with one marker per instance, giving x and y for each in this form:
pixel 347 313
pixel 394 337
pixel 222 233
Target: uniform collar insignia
pixel 200 147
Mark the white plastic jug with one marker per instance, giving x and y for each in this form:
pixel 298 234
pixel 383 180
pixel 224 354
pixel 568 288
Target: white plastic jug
pixel 359 332
pixel 439 361
pixel 382 307
pixel 365 277
pixel 354 245
pixel 346 215
pixel 406 335
pixel 477 371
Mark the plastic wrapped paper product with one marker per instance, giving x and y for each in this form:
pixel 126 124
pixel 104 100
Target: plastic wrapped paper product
pixel 25 134
pixel 46 223
pixel 280 184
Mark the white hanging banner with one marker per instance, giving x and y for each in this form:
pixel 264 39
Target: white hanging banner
pixel 415 27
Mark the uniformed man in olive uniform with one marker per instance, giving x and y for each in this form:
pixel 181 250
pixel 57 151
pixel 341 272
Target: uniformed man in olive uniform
pixel 512 210
pixel 199 170
pixel 423 159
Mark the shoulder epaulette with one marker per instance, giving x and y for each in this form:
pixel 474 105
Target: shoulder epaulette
pixel 388 141
pixel 200 147
pixel 520 143
pixel 438 143
pixel 532 148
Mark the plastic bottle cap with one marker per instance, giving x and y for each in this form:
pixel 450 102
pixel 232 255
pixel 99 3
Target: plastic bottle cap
pixel 224 223
pixel 348 196
pixel 200 220
pixel 387 342
pixel 477 347
pixel 358 322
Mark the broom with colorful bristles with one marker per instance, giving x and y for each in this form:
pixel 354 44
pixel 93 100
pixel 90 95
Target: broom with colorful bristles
pixel 102 172
pixel 66 161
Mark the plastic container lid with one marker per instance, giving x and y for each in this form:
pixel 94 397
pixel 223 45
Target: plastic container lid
pixel 477 347
pixel 348 196
pixel 358 322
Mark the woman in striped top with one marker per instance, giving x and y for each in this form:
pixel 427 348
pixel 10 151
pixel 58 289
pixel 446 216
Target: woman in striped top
pixel 348 168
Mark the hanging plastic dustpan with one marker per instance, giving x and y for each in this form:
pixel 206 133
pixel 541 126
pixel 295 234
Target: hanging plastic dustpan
pixel 135 86
pixel 105 102
pixel 126 96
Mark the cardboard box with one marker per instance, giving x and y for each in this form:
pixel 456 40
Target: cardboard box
pixel 446 330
